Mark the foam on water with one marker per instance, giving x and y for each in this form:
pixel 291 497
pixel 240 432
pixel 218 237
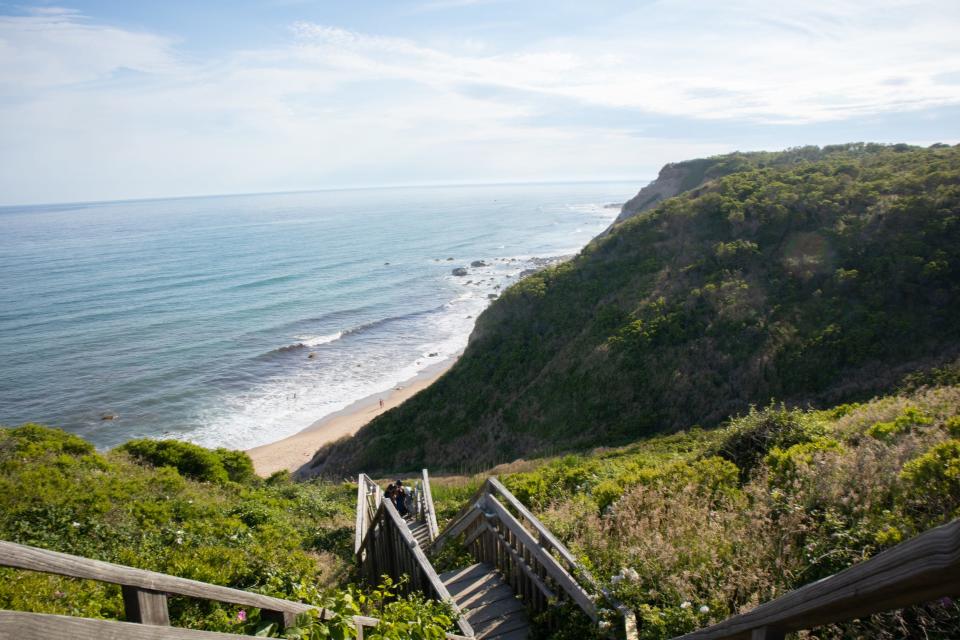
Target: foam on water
pixel 240 320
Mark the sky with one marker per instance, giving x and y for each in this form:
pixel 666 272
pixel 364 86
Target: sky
pixel 103 100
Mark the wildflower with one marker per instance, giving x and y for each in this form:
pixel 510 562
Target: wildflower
pixel 631 575
pixel 241 616
pixel 704 609
pixel 685 604
pixel 604 625
pixel 75 524
pixel 58 594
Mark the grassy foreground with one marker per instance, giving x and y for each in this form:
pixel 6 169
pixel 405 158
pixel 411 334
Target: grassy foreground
pixel 180 509
pixel 690 528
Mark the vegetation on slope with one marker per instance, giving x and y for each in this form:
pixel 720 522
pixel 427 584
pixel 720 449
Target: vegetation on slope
pixel 692 527
pixel 810 277
pixel 181 509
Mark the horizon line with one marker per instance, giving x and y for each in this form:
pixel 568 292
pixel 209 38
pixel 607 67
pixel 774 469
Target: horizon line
pixel 429 185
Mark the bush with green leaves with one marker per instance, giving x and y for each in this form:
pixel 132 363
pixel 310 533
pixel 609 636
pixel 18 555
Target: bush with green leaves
pixel 192 461
pixel 683 534
pixel 58 493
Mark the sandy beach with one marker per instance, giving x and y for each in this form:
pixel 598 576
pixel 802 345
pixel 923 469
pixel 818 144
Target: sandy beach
pixel 294 451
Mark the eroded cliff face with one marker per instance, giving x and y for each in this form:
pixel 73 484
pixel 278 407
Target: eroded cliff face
pixel 668 184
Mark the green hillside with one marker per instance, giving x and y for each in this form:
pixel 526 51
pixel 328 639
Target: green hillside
pixel 181 509
pixel 814 276
pixel 692 527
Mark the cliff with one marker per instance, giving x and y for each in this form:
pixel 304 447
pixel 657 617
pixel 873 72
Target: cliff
pixel 812 276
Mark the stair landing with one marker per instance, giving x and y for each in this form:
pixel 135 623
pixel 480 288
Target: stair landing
pixel 488 603
pixel 420 531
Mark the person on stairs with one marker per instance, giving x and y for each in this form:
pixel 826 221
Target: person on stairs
pixel 400 498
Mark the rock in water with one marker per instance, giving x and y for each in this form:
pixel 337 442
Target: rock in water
pixel 459 271
pixel 109 416
pixel 478 263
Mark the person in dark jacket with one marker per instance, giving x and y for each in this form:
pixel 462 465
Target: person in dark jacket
pixel 400 498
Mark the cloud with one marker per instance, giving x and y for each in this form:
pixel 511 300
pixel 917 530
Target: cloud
pixel 95 111
pixel 55 47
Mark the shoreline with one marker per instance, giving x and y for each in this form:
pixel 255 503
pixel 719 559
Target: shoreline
pixel 294 451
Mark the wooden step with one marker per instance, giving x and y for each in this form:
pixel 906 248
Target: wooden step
pixel 488 603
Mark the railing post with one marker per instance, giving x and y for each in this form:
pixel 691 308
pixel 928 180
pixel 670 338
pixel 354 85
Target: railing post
pixel 283 618
pixel 145 606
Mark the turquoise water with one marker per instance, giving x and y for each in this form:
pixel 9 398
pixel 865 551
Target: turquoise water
pixel 195 318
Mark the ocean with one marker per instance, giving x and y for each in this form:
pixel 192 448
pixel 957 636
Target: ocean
pixel 238 320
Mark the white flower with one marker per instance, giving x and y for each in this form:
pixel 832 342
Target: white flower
pixel 685 604
pixel 704 609
pixel 604 625
pixel 75 524
pixel 631 574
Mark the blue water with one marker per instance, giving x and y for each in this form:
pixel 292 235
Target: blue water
pixel 195 318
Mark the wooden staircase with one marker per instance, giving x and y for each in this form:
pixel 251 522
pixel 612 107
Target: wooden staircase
pixel 520 569
pixel 488 603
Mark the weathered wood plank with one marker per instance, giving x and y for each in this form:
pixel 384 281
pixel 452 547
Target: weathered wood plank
pixel 145 607
pixel 45 626
pixel 472 572
pixel 553 568
pixel 456 526
pixel 492 592
pixel 499 608
pixel 431 515
pixel 23 557
pixel 915 571
pixel 361 529
pixel 530 575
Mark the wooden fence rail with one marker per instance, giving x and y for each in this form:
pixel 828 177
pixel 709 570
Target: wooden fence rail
pixel 539 568
pixel 429 512
pixel 390 549
pixel 916 571
pixel 145 601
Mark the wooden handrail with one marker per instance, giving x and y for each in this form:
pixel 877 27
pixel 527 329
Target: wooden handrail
pixel 144 591
pixel 390 548
pixel 430 512
pixel 145 600
pixel 536 555
pixel 916 571
pixel 548 540
pixel 466 514
pixel 47 626
pixel 368 492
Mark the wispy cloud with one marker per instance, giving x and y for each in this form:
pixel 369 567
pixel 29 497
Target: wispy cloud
pixel 116 112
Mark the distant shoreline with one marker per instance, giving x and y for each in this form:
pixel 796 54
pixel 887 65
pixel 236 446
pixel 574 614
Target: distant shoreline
pixel 294 451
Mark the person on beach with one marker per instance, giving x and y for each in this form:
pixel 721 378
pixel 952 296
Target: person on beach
pixel 381 403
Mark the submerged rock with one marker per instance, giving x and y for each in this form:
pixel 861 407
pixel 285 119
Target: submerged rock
pixel 109 416
pixel 459 271
pixel 478 263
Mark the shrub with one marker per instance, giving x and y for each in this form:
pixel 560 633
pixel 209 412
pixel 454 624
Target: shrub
pixel 932 481
pixel 953 426
pixel 193 461
pixel 749 438
pixel 909 419
pixel 785 463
